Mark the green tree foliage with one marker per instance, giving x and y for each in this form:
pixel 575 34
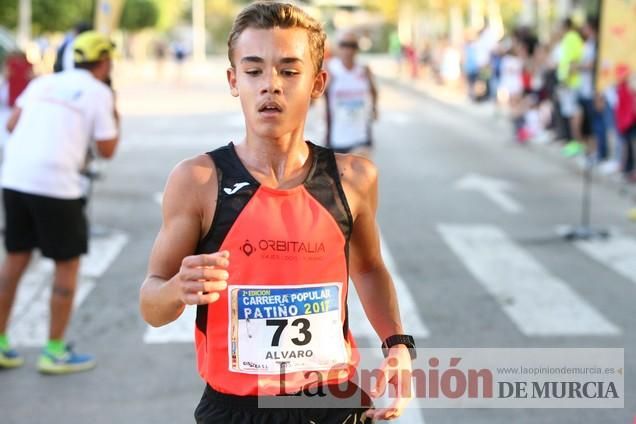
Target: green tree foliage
pixel 219 15
pixel 48 15
pixel 389 9
pixel 170 13
pixel 8 13
pixel 139 14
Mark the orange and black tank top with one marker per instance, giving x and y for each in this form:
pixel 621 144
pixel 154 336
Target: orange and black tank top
pixel 284 313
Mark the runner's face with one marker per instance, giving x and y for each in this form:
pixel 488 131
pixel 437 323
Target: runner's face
pixel 348 48
pixel 274 77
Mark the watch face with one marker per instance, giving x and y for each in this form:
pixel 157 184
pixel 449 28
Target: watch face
pixel 397 339
pixel 401 339
pixel 407 339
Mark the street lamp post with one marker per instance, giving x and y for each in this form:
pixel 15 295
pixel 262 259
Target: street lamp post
pixel 24 24
pixel 198 30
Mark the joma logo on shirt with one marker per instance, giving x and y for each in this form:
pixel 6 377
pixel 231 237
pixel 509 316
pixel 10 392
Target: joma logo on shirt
pixel 286 246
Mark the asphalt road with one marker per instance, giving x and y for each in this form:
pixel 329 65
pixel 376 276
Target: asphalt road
pixel 463 210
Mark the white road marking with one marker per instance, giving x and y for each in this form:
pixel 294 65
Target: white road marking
pixel 182 330
pixel 539 303
pixel 29 324
pixel 102 252
pixel 492 188
pixel 179 331
pixel 616 252
pixel 398 118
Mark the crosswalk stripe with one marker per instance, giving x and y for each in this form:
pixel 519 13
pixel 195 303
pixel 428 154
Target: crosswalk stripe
pixel 29 324
pixel 103 251
pixel 182 330
pixel 539 303
pixel 617 253
pixel 178 331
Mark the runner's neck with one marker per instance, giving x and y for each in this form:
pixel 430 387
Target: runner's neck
pixel 275 164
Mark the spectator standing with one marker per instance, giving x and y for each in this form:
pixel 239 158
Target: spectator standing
pixel 52 126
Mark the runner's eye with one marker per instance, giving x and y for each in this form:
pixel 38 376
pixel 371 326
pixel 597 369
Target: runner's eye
pixel 253 72
pixel 289 72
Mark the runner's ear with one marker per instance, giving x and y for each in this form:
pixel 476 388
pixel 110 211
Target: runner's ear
pixel 320 83
pixel 231 79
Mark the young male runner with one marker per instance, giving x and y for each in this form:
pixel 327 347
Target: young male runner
pixel 351 100
pixel 55 120
pixel 262 236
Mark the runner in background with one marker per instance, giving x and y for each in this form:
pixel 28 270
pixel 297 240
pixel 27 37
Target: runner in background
pixel 352 100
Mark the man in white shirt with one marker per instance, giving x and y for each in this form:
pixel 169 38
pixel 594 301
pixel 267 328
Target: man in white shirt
pixel 52 127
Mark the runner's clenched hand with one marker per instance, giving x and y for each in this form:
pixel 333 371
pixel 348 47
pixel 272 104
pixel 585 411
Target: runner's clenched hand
pixel 202 277
pixel 397 370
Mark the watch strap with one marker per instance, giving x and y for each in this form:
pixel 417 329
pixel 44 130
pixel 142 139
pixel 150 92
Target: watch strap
pixel 397 339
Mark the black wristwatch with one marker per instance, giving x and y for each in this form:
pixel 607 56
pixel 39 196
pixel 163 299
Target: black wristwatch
pixel 397 339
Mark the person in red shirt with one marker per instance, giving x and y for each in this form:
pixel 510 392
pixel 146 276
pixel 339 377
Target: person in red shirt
pixel 262 236
pixel 19 74
pixel 626 116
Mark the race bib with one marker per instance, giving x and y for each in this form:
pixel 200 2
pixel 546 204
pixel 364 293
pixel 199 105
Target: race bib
pixel 284 329
pixel 351 111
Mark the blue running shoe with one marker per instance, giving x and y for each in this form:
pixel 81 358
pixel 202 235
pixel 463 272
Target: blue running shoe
pixel 67 363
pixel 9 358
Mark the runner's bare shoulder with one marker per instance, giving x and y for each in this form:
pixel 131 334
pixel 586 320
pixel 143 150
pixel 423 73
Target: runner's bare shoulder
pixel 191 184
pixel 357 174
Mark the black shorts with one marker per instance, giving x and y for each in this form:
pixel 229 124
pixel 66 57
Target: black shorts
pixel 58 227
pixel 220 408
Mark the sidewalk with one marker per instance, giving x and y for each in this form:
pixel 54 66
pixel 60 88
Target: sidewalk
pixel 384 69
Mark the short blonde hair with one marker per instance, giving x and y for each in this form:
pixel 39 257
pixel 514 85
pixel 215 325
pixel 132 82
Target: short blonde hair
pixel 266 15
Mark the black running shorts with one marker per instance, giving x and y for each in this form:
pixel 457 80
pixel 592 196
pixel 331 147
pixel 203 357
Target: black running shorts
pixel 58 227
pixel 220 408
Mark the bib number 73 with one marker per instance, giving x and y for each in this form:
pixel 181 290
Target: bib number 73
pixel 303 328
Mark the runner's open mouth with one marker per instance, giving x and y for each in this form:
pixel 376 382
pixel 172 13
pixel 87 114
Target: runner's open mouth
pixel 270 107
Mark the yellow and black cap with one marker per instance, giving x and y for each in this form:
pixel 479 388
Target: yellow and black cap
pixel 89 46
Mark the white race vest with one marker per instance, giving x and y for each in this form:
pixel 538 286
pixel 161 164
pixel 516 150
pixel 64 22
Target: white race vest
pixel 350 105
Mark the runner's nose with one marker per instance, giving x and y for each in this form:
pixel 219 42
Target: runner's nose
pixel 272 83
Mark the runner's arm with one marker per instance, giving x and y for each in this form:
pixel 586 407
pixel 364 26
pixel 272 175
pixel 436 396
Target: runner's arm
pixel 375 287
pixel 374 91
pixel 369 274
pixel 175 277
